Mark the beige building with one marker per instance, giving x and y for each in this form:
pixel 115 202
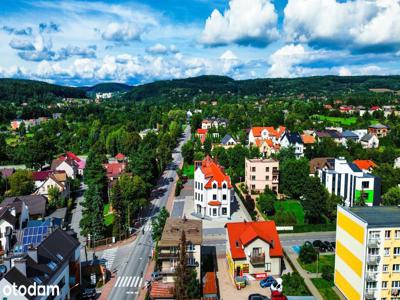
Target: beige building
pixel 260 173
pixel 168 254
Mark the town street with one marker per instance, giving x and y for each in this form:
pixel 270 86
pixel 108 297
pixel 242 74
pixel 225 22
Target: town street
pixel 129 277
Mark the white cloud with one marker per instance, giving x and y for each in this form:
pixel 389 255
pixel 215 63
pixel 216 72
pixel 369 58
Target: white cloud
pixel 229 62
pixel 343 71
pixel 246 22
pixel 161 49
pixel 362 25
pixel 122 32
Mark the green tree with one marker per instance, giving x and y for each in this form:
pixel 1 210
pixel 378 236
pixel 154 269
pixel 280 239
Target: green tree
pixel 266 202
pixel 158 224
pixel 207 145
pixel 54 197
pixel 327 272
pixel 314 200
pixel 119 226
pixel 392 196
pixel 294 174
pixel 390 177
pixel 293 284
pixel 308 254
pixel 188 152
pixel 21 183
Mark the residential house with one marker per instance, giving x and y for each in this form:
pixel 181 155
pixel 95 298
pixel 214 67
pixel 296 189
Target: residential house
pixel 346 109
pixel 114 170
pixel 349 135
pixel 265 133
pixel 54 262
pixel 308 140
pixel 351 183
pixel 228 141
pixel 334 134
pixel 81 163
pixel 162 290
pixel 213 122
pixel 58 180
pixel 374 109
pixel 267 147
pixel 27 207
pixel 8 222
pixel 15 124
pixel 367 264
pixel 319 163
pixel 201 134
pixel 369 141
pixel 361 110
pixel 292 139
pixel 66 164
pixel 379 130
pixel 254 248
pixel 388 110
pixel 120 157
pixel 365 165
pixel 213 190
pixel 261 173
pixel 360 133
pixel 168 246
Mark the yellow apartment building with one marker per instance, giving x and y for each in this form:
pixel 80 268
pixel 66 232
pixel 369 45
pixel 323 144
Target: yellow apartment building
pixel 367 258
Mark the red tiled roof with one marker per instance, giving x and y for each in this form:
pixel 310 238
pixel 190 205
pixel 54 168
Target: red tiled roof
pixel 268 141
pixel 271 130
pixel 214 203
pixel 375 107
pixel 71 155
pixel 242 234
pixel 364 164
pixel 214 172
pixel 120 156
pixel 308 139
pixel 41 175
pixel 161 290
pixel 115 169
pixel 202 131
pixel 210 284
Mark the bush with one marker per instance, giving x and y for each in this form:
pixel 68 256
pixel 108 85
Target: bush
pixel 179 186
pixel 266 203
pixel 293 284
pixel 287 218
pixel 308 254
pixel 327 273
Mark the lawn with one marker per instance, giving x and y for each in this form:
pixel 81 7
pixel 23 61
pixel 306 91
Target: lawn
pixel 291 206
pixel 188 170
pixel 325 288
pixel 323 261
pixel 339 120
pixel 108 217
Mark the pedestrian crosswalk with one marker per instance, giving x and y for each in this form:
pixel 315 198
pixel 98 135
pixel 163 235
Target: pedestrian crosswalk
pixel 109 256
pixel 129 282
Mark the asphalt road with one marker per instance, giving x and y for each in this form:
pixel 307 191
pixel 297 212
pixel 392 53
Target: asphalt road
pixel 298 239
pixel 130 276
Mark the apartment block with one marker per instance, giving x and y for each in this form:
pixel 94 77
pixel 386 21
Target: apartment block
pixel 367 258
pixel 347 180
pixel 261 173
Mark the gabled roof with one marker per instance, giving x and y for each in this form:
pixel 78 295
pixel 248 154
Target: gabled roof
pixel 365 164
pixel 271 131
pixel 243 233
pixel 115 169
pixel 57 162
pixel 308 139
pixel 226 139
pixel 348 134
pixel 73 156
pixel 35 203
pixel 41 175
pixel 366 138
pixel 378 126
pixel 214 172
pixel 120 156
pixel 319 163
pixel 161 290
pixel 293 137
pixel 269 142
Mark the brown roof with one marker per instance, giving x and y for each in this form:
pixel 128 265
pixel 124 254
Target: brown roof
pixel 318 163
pixel 161 290
pixel 172 232
pixel 7 216
pixel 61 176
pixel 35 203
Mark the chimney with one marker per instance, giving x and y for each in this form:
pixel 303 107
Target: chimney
pixel 20 264
pixel 32 252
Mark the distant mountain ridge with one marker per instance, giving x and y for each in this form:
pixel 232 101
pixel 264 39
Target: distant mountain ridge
pixel 108 87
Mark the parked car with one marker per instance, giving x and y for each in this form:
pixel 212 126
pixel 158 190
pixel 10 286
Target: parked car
pixel 307 243
pixel 276 286
pixel 257 297
pixel 275 295
pixel 333 244
pixel 266 282
pixel 156 276
pixel 328 246
pixel 317 243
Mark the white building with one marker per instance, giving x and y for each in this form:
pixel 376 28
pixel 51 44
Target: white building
pixel 294 140
pixel 350 182
pixel 397 163
pixel 369 141
pixel 265 133
pixel 212 190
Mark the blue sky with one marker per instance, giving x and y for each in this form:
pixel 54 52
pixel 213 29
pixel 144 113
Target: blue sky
pixel 86 42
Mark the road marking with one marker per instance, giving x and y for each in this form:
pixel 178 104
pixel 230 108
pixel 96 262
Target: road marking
pixel 140 282
pixel 136 280
pixel 118 279
pixel 129 280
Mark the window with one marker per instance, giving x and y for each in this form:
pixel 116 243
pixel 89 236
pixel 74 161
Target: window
pixel 268 267
pixel 223 197
pixel 371 285
pixel 274 169
pixel 387 234
pixel 196 185
pixel 266 177
pixel 373 251
pixel 190 247
pixel 224 211
pixel 267 169
pixel 224 186
pixel 372 268
pixel 214 212
pixel 201 198
pixel 396 250
pixel 253 177
pixel 397 234
pixel 201 186
pixel 384 284
pixel 253 169
pixel 374 235
pixel 387 251
pixel 365 184
pixel 396 267
pixel 215 197
pixel 396 284
pixel 253 186
pixel 214 185
pixel 385 268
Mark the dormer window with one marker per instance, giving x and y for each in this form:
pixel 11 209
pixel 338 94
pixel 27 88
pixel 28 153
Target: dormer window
pixel 224 186
pixel 214 185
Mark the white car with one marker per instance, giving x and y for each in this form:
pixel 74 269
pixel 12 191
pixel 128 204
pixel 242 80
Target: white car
pixel 277 285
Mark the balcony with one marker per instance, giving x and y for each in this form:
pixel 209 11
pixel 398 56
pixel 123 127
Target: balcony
pixel 373 242
pixel 369 294
pixel 167 255
pixel 257 259
pixel 371 276
pixel 275 172
pixel 373 260
pixel 275 180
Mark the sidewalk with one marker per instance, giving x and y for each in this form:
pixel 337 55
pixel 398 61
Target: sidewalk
pixel 307 276
pixel 147 276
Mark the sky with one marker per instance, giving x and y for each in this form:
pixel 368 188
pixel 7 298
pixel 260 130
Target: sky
pixel 86 42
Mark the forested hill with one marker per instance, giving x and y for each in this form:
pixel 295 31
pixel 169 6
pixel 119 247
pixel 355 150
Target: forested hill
pixel 20 90
pixel 110 87
pixel 219 85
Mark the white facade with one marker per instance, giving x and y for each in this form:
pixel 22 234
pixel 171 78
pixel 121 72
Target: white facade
pixel 49 183
pixel 297 146
pixel 213 202
pixel 397 163
pixel 70 170
pixel 3 227
pixel 371 142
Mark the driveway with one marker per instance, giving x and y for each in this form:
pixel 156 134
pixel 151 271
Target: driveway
pixel 77 214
